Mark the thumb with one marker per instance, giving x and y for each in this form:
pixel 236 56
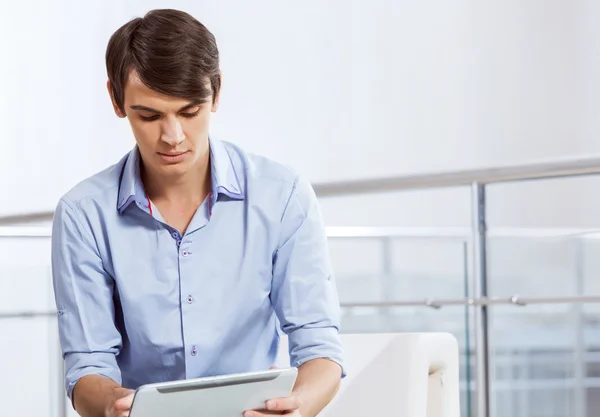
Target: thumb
pixel 124 404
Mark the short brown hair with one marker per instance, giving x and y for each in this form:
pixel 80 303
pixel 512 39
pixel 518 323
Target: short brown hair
pixel 172 52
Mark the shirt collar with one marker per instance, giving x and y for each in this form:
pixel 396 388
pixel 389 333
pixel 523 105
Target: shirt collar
pixel 224 178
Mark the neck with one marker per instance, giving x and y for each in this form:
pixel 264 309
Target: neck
pixel 192 187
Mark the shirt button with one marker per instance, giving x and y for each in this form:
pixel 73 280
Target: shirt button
pixel 185 253
pixel 190 299
pixel 175 235
pixel 194 351
pixel 179 243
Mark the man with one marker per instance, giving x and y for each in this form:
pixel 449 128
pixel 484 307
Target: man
pixel 184 258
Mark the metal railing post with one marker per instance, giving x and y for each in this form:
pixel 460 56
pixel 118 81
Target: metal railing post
pixel 467 309
pixel 386 276
pixel 579 362
pixel 479 228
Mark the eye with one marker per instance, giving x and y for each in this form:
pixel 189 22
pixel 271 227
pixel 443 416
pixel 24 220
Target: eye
pixel 149 118
pixel 190 115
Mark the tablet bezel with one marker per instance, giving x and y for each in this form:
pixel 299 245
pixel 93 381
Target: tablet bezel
pixel 217 381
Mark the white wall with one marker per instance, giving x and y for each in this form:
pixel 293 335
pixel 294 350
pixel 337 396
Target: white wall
pixel 338 89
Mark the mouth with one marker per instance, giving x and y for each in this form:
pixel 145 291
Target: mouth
pixel 173 157
pixel 172 153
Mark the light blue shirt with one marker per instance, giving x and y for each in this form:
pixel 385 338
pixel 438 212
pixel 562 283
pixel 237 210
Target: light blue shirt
pixel 139 303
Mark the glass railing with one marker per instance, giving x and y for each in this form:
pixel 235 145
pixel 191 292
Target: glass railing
pixel 543 327
pixel 543 316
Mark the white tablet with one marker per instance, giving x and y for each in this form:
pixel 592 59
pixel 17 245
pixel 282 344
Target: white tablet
pixel 217 396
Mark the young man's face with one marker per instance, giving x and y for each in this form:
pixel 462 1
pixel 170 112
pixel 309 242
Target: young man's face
pixel 171 133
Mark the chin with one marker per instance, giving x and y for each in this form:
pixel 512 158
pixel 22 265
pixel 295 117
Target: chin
pixel 174 169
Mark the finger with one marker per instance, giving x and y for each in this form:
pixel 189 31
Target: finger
pixel 273 367
pixel 114 413
pixel 283 404
pixel 124 404
pixel 254 413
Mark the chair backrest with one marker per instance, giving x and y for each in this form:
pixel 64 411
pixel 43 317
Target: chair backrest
pixel 396 374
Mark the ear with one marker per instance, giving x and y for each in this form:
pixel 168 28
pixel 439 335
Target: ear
pixel 215 105
pixel 116 108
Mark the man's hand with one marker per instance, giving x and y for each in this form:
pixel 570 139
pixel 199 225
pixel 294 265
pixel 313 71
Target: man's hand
pixel 99 396
pixel 122 404
pixel 287 406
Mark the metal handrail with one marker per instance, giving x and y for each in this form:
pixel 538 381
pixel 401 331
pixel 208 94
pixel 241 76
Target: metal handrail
pixel 507 173
pixel 458 233
pixel 434 303
pixel 40 216
pixel 27 314
pixel 514 300
pixel 376 232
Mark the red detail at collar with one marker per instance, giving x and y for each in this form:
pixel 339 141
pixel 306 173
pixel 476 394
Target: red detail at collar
pixel 149 204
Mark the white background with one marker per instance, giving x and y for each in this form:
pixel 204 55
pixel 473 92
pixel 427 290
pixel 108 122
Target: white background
pixel 337 89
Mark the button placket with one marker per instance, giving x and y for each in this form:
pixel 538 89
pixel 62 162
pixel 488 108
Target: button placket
pixel 189 299
pixel 183 248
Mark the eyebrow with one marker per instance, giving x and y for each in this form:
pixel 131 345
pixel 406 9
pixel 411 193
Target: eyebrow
pixel 151 110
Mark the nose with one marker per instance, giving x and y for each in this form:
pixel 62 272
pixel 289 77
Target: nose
pixel 172 132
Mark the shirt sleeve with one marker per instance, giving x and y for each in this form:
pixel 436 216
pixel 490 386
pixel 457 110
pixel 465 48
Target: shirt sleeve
pixel 304 294
pixel 83 294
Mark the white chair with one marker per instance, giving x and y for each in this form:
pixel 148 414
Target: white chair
pixel 402 374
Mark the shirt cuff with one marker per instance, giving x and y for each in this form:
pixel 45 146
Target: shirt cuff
pixel 78 365
pixel 307 343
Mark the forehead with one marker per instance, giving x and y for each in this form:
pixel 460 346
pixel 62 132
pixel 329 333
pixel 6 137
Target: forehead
pixel 137 93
